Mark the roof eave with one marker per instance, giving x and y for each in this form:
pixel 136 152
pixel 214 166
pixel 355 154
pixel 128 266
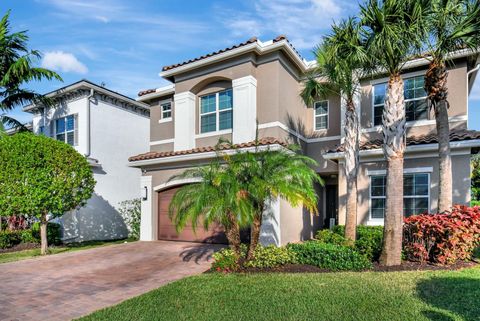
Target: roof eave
pixel 409 149
pixel 87 84
pixel 200 156
pixel 256 47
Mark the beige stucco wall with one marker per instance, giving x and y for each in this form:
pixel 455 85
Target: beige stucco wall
pixel 461 183
pixel 457 88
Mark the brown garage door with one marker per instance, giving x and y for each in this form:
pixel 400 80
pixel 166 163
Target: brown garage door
pixel 167 231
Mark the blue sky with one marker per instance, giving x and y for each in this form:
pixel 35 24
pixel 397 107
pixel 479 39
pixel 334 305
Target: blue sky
pixel 125 43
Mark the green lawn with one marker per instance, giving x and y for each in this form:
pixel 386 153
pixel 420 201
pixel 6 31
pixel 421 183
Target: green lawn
pixel 399 296
pixel 27 254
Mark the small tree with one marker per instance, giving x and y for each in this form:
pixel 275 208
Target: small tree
pixel 40 176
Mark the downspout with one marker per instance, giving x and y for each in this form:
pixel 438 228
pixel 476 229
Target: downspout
pixel 92 92
pixel 468 91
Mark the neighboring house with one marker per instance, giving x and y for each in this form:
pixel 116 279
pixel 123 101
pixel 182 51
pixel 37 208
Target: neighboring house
pixel 225 93
pixel 107 128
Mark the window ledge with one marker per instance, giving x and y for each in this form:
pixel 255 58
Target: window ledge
pixel 165 120
pixel 375 222
pixel 322 130
pixel 215 133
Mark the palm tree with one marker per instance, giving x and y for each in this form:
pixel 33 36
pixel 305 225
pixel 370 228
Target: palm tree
pixel 16 69
pixel 339 60
pixel 214 197
pixel 391 29
pixel 267 175
pixel 451 25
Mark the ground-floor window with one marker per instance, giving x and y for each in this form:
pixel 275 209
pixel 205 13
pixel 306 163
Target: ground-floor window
pixel 416 194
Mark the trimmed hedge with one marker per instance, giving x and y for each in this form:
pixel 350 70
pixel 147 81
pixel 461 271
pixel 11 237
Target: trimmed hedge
pixel 369 240
pixel 329 256
pixel 9 238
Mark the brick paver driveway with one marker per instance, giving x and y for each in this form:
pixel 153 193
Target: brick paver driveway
pixel 66 286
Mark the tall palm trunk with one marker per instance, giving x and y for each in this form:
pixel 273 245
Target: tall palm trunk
pixel 437 90
pixel 393 149
pixel 232 232
pixel 351 168
pixel 255 234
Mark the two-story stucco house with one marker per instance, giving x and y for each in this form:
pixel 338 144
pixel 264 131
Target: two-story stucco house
pixel 107 128
pixel 225 93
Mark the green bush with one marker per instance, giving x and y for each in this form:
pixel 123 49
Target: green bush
pixel 54 233
pixel 27 236
pixel 271 256
pixel 369 240
pixel 330 237
pixel 131 213
pixel 329 256
pixel 9 239
pixel 224 261
pixel 474 203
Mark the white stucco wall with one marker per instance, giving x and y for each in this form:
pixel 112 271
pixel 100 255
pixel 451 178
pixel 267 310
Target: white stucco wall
pixel 116 134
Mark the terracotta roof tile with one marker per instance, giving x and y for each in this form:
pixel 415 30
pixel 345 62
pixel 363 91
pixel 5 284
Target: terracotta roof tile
pixel 146 91
pixel 249 41
pixel 153 155
pixel 431 138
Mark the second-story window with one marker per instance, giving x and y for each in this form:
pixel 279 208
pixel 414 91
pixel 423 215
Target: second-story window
pixel 321 114
pixel 415 100
pixel 66 129
pixel 216 111
pixel 166 110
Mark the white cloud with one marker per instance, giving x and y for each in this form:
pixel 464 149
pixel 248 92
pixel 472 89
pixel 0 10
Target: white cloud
pixel 304 22
pixel 63 61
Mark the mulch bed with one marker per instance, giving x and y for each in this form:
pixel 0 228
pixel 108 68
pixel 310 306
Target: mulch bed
pixel 406 266
pixel 20 247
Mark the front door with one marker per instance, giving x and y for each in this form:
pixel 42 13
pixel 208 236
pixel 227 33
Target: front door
pixel 331 205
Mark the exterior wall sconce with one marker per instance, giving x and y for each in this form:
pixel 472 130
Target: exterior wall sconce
pixel 144 193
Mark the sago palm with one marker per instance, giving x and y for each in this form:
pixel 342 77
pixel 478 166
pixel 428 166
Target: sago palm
pixel 215 197
pixel 391 29
pixel 339 61
pixel 266 175
pixel 451 25
pixel 16 69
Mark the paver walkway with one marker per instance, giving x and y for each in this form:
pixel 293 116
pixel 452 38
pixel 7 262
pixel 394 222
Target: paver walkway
pixel 70 285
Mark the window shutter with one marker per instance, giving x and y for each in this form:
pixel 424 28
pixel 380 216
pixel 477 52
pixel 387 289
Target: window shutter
pixel 75 126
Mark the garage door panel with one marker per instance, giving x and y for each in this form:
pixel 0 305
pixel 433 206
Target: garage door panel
pixel 167 231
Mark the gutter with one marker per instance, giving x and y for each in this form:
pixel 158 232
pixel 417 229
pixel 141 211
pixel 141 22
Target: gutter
pixel 92 92
pixel 409 149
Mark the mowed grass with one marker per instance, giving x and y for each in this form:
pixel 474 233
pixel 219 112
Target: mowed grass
pixel 27 254
pixel 441 295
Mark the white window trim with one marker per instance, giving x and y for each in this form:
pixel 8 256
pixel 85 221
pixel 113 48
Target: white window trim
pixel 165 119
pixel 75 129
pixel 217 112
pixel 385 80
pixel 321 115
pixel 419 170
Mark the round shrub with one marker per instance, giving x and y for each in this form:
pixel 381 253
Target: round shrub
pixel 330 237
pixel 271 256
pixel 329 256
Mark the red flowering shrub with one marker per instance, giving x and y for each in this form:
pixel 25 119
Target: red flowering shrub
pixel 442 238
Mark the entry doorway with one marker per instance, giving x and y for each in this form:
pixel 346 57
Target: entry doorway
pixel 331 206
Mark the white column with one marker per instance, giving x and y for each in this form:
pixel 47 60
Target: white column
pixel 270 229
pixel 149 216
pixel 184 104
pixel 244 109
